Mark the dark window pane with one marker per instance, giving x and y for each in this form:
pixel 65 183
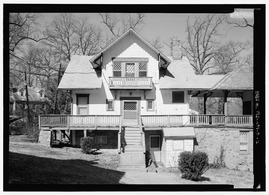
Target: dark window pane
pixel 116 73
pixel 178 96
pixel 155 142
pixel 142 74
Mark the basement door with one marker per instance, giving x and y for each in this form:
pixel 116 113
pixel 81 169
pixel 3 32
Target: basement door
pixel 155 147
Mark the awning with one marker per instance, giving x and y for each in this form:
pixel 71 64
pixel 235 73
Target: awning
pixel 179 132
pixel 109 95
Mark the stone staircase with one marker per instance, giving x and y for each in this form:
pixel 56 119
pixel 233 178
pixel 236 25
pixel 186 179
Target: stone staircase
pixel 133 156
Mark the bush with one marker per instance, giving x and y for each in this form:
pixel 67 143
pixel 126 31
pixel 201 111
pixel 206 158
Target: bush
pixel 88 146
pixel 193 164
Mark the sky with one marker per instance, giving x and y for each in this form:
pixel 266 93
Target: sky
pixel 166 25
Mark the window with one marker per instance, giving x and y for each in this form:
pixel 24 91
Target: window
pixel 109 105
pixel 117 69
pixel 130 70
pixel 101 139
pixel 142 69
pixel 178 96
pixel 150 105
pixel 244 141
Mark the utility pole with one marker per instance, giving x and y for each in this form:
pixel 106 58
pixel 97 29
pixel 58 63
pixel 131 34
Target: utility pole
pixel 27 99
pixel 56 93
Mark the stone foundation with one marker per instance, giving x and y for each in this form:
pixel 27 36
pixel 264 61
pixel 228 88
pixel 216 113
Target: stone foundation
pixel 213 140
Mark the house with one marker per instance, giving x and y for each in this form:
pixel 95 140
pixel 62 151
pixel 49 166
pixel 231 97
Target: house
pixel 132 97
pixel 36 97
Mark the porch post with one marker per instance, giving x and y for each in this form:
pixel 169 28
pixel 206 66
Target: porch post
pixel 85 133
pixel 225 106
pixel 205 98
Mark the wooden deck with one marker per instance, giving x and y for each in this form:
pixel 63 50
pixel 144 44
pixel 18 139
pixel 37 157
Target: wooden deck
pixel 114 122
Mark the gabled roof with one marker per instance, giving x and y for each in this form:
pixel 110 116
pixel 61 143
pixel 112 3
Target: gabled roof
pixel 138 36
pixel 80 74
pixel 180 75
pixel 240 79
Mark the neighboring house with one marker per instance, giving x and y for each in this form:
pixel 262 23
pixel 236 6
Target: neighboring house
pixel 18 104
pixel 132 97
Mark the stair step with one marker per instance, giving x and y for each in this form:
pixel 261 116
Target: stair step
pixel 133 137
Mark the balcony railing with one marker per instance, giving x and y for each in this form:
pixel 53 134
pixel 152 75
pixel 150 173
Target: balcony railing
pixel 130 82
pixel 94 121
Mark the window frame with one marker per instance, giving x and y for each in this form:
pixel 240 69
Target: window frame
pixel 152 101
pixel 244 143
pixel 107 105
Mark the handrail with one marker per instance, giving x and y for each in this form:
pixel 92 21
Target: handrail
pixel 142 135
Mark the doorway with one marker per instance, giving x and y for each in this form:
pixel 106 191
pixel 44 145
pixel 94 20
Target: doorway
pixel 155 147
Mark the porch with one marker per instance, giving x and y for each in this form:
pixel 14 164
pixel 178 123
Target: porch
pixel 146 121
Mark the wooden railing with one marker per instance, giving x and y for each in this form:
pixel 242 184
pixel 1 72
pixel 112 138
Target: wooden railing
pixel 130 82
pixel 146 120
pixel 244 120
pixel 80 120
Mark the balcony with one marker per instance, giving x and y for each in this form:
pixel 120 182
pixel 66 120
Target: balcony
pixel 130 82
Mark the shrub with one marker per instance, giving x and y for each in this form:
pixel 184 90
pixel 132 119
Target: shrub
pixel 193 164
pixel 88 146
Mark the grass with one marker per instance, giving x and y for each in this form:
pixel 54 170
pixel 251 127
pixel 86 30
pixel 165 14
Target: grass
pixel 32 163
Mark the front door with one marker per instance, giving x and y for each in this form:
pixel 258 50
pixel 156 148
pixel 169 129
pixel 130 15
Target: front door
pixel 155 147
pixel 130 111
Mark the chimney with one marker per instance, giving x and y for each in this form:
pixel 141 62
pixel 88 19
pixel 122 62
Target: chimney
pixel 176 49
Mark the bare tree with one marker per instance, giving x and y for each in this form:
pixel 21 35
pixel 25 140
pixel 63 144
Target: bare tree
pixel 117 24
pixel 61 36
pixel 22 27
pixel 201 43
pixel 227 57
pixel 88 37
pixel 157 43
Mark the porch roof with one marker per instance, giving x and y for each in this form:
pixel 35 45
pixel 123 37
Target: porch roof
pixel 180 132
pixel 240 79
pixel 80 74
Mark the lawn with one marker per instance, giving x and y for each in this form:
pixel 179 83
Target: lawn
pixel 32 163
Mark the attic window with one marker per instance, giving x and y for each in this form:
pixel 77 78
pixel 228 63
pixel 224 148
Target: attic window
pixel 178 96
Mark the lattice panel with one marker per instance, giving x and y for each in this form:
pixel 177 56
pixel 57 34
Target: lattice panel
pixel 130 106
pixel 110 105
pixel 142 66
pixel 130 68
pixel 117 66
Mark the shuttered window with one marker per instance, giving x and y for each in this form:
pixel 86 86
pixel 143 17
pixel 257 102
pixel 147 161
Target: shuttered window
pixel 117 69
pixel 109 105
pixel 142 69
pixel 150 105
pixel 178 96
pixel 244 141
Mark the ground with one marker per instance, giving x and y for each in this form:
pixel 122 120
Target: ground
pixel 32 163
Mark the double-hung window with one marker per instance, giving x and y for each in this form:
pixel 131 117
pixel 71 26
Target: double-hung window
pixel 117 69
pixel 178 96
pixel 244 141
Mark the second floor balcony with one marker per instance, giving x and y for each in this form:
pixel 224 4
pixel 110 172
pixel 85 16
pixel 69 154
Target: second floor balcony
pixel 130 82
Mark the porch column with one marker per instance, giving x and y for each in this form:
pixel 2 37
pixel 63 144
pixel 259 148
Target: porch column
pixel 225 106
pixel 85 133
pixel 205 98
